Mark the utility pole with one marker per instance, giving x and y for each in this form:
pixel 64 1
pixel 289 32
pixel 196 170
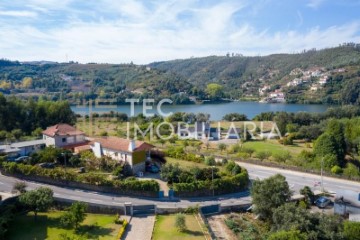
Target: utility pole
pixel 322 179
pixel 212 180
pixel 64 154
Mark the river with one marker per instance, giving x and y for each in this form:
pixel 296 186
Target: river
pixel 216 111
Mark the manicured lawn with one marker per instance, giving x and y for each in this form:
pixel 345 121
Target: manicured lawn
pixel 165 228
pixel 47 226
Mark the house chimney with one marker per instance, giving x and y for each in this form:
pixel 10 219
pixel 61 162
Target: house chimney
pixel 132 145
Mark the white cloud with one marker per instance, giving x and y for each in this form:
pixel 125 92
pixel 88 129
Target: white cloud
pixel 18 13
pixel 315 3
pixel 124 31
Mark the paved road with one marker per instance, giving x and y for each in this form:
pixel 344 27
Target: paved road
pixel 296 181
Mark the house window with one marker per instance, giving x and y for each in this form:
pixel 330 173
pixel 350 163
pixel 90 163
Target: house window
pixel 63 140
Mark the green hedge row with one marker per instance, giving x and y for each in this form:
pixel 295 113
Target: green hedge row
pixel 89 178
pixel 221 185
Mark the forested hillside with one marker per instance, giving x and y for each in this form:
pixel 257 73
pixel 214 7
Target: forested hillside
pixel 325 76
pixel 243 76
pixel 81 82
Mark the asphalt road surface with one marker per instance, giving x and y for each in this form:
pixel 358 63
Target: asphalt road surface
pixel 296 180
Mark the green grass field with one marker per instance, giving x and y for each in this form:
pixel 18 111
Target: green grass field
pixel 165 228
pixel 47 226
pixel 274 147
pixel 185 164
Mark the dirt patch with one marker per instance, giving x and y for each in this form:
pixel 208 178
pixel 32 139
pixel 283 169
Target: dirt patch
pixel 221 231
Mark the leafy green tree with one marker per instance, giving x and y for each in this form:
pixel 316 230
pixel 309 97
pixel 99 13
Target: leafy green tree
pixel 3 134
pixel 117 171
pixel 74 216
pixel 230 166
pixel 49 154
pixel 351 170
pixel 269 194
pixel 38 200
pixel 336 169
pixel 282 119
pixel 214 91
pixel 351 92
pixel 235 117
pixel 352 230
pixel 210 161
pixel 309 195
pixel 170 172
pixel 262 155
pixel 288 235
pixel 180 222
pixel 289 216
pixel 248 150
pixel 329 227
pixel 282 157
pixel 326 145
pixel 17 133
pixel 37 132
pixel 336 129
pixel 236 170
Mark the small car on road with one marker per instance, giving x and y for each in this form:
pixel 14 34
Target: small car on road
pixel 322 202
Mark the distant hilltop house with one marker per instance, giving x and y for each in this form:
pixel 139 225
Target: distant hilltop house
pixel 64 136
pixel 131 152
pixel 263 90
pixel 323 79
pixel 274 97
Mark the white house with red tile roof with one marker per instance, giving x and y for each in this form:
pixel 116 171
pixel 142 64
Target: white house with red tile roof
pixel 134 153
pixel 64 136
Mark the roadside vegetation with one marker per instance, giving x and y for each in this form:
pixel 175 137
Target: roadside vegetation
pixel 275 217
pixel 205 181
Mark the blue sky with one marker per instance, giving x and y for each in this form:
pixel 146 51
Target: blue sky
pixel 121 31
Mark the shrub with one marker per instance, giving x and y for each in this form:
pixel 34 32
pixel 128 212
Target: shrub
pixel 282 156
pixel 192 210
pixel 248 151
pixel 352 230
pixel 262 155
pixel 122 230
pixel 230 223
pixel 90 178
pixel 210 161
pixel 336 169
pixel 287 141
pixel 117 171
pixel 180 222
